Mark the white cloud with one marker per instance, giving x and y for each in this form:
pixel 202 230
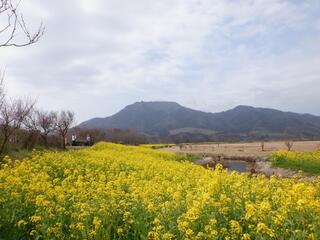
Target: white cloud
pixel 317 25
pixel 204 54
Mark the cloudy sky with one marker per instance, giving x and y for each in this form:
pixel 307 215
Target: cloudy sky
pixel 98 56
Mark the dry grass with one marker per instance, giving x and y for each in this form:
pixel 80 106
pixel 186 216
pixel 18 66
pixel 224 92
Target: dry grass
pixel 247 149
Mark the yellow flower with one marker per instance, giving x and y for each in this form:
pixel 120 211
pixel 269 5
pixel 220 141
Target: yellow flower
pixel 33 232
pixel 120 231
pixel 235 227
pixel 168 236
pixel 263 228
pixel 21 223
pixel 153 235
pixel 250 211
pixel 131 185
pixel 189 232
pixel 96 222
pixel 80 226
pixel 151 207
pixel 213 221
pixel 246 236
pixel 183 225
pixel 35 219
pixel 200 235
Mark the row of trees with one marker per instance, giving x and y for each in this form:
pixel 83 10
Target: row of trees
pixel 124 136
pixel 47 123
pixel 20 115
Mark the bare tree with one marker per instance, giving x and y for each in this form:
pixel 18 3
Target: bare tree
pixel 12 115
pixel 65 121
pixel 47 123
pixel 2 90
pixel 289 144
pixel 15 23
pixel 30 123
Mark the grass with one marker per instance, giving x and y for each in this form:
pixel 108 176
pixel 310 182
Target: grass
pixel 18 153
pixel 157 145
pixel 187 157
pixel 305 161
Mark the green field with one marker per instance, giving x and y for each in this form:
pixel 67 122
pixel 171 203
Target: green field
pixel 305 161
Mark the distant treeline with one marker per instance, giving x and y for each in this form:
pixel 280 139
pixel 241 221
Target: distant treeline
pixel 223 137
pixel 123 136
pixel 24 126
pixel 131 137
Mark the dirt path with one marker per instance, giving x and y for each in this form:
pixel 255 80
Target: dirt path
pixel 265 167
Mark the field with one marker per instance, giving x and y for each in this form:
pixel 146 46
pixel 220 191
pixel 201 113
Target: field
pixel 252 149
pixel 117 192
pixel 157 145
pixel 305 161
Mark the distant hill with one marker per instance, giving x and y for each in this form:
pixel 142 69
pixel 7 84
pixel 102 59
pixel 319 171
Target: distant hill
pixel 171 120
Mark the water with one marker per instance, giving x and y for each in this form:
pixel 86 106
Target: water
pixel 238 165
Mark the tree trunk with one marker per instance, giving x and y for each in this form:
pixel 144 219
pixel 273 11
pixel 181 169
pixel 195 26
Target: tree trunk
pixel 63 141
pixel 3 144
pixel 31 139
pixel 45 140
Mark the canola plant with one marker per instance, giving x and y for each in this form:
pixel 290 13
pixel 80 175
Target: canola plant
pixel 118 192
pixel 305 161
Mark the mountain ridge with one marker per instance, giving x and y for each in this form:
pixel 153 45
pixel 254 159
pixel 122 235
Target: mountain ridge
pixel 169 119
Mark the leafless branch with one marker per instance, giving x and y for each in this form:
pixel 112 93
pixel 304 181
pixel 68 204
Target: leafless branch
pixel 65 121
pixel 12 115
pixel 289 144
pixel 2 90
pixel 47 123
pixel 15 23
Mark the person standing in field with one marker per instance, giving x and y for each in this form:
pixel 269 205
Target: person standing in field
pixel 73 139
pixel 88 140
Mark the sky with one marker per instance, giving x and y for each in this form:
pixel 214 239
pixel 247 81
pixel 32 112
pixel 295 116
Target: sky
pixel 98 56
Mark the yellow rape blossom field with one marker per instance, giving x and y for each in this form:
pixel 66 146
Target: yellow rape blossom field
pixel 306 161
pixel 118 192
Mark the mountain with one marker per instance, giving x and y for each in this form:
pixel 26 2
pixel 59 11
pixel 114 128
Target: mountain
pixel 169 119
